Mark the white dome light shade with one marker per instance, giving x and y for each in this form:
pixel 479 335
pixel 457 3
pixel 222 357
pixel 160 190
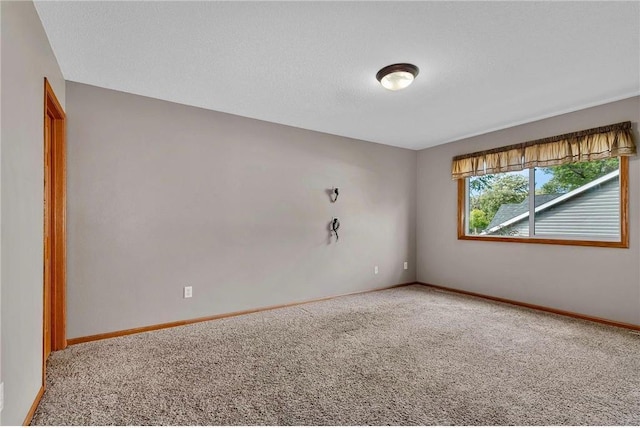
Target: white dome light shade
pixel 397 80
pixel 397 76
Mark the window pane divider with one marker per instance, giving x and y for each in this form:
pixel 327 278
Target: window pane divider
pixel 532 202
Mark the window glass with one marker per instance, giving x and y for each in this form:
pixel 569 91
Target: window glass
pixel 578 200
pixel 494 199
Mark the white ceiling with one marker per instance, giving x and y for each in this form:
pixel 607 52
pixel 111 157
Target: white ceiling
pixel 483 65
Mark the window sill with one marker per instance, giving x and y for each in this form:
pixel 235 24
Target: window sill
pixel 581 243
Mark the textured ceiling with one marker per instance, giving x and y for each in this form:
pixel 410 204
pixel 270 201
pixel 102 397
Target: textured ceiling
pixel 483 65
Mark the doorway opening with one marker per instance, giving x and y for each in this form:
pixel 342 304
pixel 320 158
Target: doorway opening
pixel 54 303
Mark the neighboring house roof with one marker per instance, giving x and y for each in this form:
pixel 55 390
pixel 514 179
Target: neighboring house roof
pixel 509 211
pixel 513 213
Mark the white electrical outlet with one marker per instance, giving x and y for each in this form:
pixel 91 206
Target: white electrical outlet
pixel 406 265
pixel 188 292
pixel 1 396
pixel 375 270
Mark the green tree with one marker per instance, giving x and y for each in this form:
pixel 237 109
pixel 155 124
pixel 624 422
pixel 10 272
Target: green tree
pixel 502 189
pixel 566 178
pixel 481 182
pixel 478 220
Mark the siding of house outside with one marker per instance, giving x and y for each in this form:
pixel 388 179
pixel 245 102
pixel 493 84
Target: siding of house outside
pixel 595 212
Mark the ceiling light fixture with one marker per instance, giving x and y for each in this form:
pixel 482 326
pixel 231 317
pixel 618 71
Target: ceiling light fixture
pixel 397 76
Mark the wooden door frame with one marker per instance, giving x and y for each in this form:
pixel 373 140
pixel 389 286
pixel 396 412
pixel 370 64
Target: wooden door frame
pixel 58 212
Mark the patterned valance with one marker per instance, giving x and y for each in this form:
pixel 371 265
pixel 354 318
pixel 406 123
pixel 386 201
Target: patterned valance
pixel 591 144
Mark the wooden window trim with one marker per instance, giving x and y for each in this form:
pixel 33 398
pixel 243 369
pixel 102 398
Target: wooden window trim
pixel 624 219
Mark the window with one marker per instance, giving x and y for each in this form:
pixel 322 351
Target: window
pixel 572 202
pixel 570 189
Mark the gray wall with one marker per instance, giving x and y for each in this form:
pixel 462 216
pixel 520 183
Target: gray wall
pixel 601 282
pixel 26 59
pixel 162 195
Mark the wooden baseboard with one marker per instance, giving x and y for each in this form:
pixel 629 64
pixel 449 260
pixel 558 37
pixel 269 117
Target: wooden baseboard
pixel 127 332
pixel 537 307
pixel 33 408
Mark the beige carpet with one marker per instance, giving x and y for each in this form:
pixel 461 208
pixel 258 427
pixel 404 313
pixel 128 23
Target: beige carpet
pixel 410 355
